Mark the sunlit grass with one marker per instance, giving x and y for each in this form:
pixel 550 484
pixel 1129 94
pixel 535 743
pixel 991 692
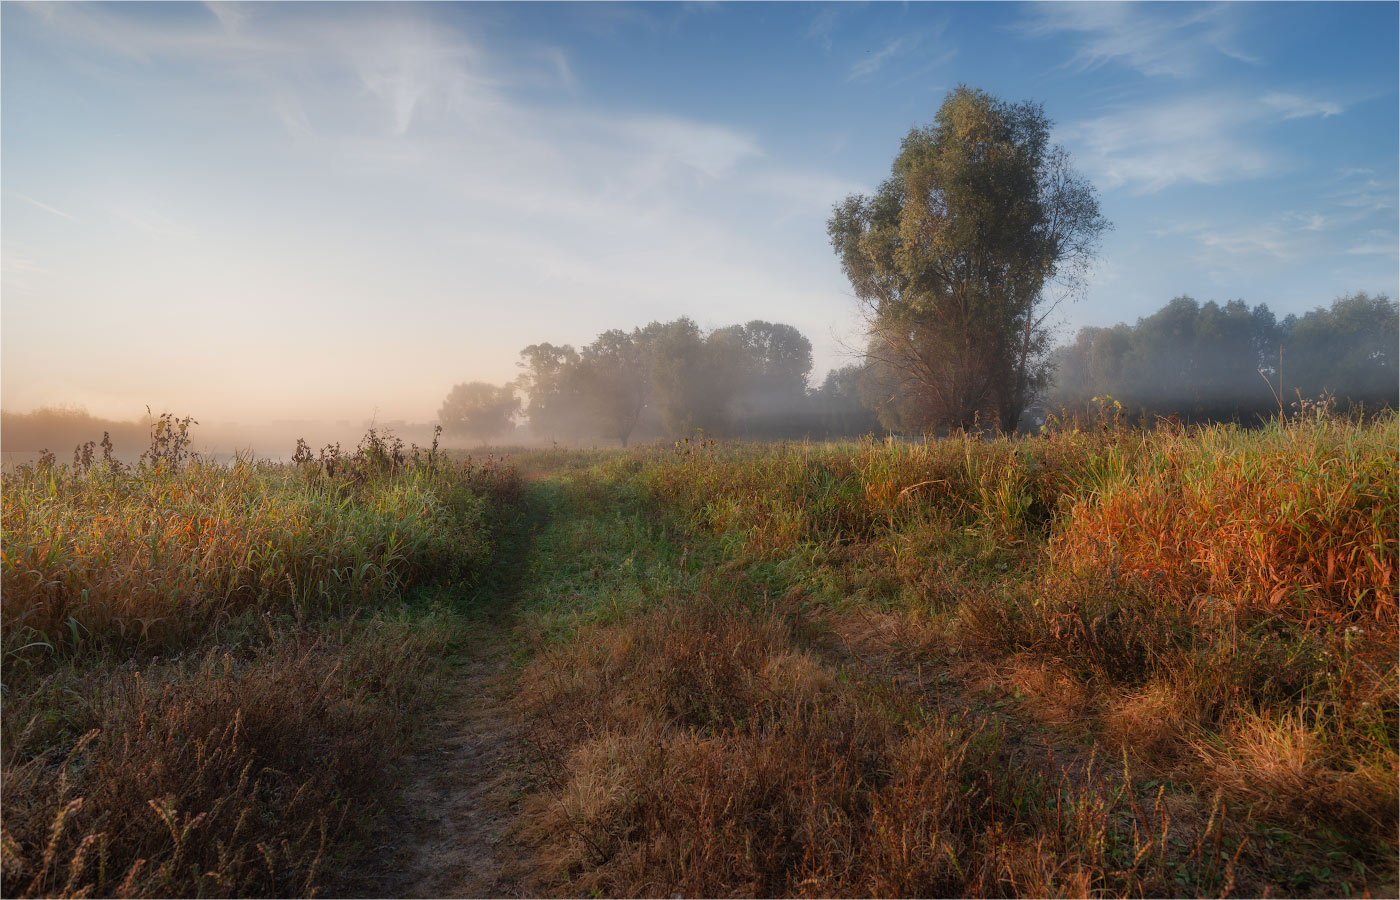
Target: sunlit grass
pixel 208 668
pixel 1217 602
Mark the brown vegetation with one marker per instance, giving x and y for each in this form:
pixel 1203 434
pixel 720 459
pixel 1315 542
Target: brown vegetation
pixel 208 669
pixel 700 749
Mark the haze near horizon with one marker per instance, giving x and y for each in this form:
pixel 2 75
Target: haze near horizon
pixel 252 212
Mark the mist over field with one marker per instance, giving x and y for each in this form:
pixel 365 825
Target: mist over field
pixel 725 449
pixel 336 214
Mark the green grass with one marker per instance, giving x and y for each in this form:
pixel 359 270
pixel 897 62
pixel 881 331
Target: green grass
pixel 1216 606
pixel 209 670
pixel 1105 661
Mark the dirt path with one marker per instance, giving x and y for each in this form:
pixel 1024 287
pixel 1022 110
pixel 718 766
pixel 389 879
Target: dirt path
pixel 444 835
pixel 445 831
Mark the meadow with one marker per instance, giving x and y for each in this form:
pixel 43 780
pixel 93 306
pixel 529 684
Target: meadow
pixel 1101 660
pixel 208 667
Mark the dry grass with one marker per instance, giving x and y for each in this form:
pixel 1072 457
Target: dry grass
pixel 1299 521
pixel 1220 604
pixel 229 775
pixel 208 669
pixel 153 558
pixel 699 750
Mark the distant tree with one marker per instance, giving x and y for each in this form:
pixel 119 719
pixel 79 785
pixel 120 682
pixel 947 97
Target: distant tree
pixel 693 378
pixel 961 255
pixel 550 380
pixel 614 380
pixel 776 358
pixel 839 404
pixel 770 363
pixel 1348 350
pixel 480 410
pixel 1203 362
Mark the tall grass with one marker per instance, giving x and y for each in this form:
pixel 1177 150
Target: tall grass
pixel 208 668
pixel 1218 603
pixel 699 749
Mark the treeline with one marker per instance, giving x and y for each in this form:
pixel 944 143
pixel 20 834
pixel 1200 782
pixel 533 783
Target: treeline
pixel 1197 362
pixel 1214 363
pixel 669 379
pixel 60 428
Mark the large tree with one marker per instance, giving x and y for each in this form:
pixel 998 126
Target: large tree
pixel 764 367
pixel 550 379
pixel 614 379
pixel 960 256
pixel 480 410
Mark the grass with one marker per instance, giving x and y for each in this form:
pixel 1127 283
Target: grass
pixel 701 749
pixel 1100 661
pixel 1214 608
pixel 210 669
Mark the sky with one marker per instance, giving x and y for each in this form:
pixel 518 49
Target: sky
pixel 336 211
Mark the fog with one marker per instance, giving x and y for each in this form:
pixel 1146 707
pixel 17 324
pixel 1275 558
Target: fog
pixel 297 220
pixel 61 429
pixel 1212 362
pixel 676 380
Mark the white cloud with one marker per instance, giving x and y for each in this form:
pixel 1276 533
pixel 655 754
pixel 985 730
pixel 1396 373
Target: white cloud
pixel 1190 140
pixel 44 206
pixel 1292 106
pixel 1157 40
pixel 869 66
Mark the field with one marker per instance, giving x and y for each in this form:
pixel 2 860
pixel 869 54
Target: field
pixel 1098 661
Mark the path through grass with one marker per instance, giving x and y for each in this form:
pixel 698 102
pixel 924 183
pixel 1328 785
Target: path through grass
pixel 692 696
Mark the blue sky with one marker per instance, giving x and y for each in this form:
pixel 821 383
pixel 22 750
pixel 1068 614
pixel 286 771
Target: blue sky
pixel 324 210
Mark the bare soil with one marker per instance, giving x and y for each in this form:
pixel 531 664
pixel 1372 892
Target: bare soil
pixel 446 832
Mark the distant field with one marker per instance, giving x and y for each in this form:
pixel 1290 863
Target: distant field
pixel 1100 661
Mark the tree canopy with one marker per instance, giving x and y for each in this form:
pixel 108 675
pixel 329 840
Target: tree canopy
pixel 958 258
pixel 480 410
pixel 671 378
pixel 614 377
pixel 1208 362
pixel 549 379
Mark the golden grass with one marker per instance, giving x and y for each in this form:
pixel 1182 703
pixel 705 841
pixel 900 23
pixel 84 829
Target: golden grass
pixel 1187 595
pixel 1297 520
pixel 697 749
pixel 209 669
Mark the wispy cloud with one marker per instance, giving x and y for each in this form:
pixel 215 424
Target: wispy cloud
pixel 1358 189
pixel 1157 40
pixel 711 149
pixel 872 63
pixel 480 175
pixel 21 265
pixel 44 206
pixel 1267 240
pixel 1197 139
pixel 821 26
pixel 1292 106
pixel 153 222
pixel 804 192
pixel 1374 250
pixel 1288 238
pixel 1190 140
